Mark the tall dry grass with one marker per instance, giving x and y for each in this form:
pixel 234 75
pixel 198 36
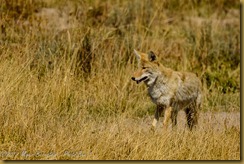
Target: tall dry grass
pixel 65 89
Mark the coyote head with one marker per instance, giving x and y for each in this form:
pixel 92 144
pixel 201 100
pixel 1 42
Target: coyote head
pixel 148 68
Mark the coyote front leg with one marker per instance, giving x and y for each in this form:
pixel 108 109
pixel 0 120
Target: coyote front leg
pixel 157 114
pixel 167 116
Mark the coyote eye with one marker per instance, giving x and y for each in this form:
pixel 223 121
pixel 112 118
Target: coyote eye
pixel 144 67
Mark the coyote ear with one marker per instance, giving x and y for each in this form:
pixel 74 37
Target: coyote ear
pixel 138 56
pixel 151 56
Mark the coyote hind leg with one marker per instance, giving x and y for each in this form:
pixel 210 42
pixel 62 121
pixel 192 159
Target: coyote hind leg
pixel 192 117
pixel 174 113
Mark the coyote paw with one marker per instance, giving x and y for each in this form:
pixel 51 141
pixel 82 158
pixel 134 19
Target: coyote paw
pixel 153 128
pixel 154 123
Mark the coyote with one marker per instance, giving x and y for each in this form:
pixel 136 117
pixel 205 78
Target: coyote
pixel 170 90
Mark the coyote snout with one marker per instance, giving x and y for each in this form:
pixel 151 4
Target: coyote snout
pixel 170 90
pixel 140 79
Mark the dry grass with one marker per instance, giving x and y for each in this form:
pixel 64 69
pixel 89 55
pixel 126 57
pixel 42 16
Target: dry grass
pixel 66 93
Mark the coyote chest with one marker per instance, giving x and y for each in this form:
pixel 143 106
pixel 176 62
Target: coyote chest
pixel 160 93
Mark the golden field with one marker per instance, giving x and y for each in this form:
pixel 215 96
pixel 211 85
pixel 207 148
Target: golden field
pixel 65 78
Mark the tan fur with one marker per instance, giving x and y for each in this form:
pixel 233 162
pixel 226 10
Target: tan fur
pixel 170 90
